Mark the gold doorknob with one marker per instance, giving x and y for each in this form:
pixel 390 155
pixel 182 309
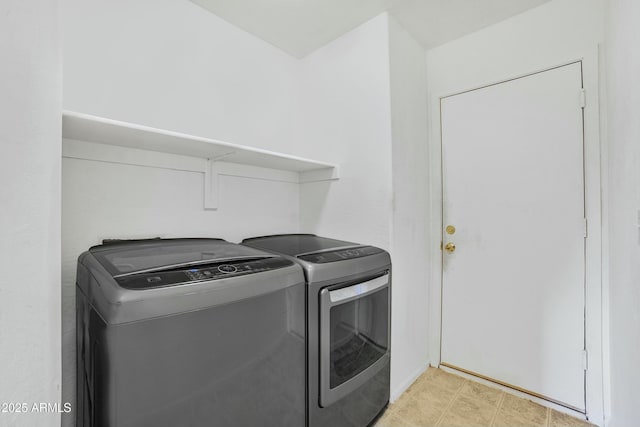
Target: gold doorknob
pixel 450 247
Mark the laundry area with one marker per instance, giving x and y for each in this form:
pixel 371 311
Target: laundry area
pixel 319 213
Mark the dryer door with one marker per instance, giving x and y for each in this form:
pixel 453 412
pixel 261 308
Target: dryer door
pixel 354 336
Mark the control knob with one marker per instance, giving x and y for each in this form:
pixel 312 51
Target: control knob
pixel 226 268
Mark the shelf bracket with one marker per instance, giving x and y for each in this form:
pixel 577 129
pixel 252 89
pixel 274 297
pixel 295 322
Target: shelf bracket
pixel 211 185
pixel 223 156
pixel 319 175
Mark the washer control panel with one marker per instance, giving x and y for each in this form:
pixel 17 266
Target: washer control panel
pixel 340 254
pixel 212 271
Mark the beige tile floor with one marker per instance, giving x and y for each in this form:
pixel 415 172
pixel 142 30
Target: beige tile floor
pixel 442 399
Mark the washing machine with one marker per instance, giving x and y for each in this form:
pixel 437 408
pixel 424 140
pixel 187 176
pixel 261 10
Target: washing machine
pixel 189 333
pixel 348 326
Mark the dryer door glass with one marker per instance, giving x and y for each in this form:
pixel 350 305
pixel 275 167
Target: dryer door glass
pixel 358 336
pixel 355 335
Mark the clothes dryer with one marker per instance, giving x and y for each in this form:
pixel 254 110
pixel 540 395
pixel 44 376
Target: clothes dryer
pixel 348 326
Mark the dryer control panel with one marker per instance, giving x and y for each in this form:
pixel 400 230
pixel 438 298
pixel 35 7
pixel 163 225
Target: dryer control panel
pixel 340 254
pixel 200 273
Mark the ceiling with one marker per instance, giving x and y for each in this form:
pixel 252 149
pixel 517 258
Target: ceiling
pixel 301 26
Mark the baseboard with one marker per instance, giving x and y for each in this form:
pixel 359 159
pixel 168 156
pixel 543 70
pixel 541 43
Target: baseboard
pixel 395 394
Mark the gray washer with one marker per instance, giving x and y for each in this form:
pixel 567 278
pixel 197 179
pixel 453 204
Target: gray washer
pixel 190 333
pixel 338 273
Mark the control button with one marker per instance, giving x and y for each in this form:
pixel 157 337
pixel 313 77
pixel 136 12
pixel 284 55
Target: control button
pixel 227 269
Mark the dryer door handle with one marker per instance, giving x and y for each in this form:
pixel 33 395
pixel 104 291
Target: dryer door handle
pixel 359 290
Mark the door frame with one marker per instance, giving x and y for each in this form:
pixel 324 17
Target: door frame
pixel 594 170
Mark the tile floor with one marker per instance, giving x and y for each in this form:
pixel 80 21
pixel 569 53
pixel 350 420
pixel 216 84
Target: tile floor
pixel 442 399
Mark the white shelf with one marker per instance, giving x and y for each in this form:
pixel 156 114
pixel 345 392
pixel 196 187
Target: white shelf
pixel 85 127
pixel 83 132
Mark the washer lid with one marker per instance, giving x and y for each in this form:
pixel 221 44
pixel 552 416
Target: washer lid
pixel 127 257
pixel 296 244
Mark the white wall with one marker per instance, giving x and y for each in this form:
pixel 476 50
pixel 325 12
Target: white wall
pixel 30 84
pixel 365 109
pixel 346 120
pixel 548 35
pixel 552 34
pixel 623 69
pixel 173 65
pixel 410 234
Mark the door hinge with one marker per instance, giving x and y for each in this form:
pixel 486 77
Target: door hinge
pixel 586 228
pixel 583 98
pixel 585 360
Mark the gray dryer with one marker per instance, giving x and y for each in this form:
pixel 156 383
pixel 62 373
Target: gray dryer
pixel 348 326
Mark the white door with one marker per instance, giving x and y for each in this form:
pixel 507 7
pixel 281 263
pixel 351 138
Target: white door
pixel 513 188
